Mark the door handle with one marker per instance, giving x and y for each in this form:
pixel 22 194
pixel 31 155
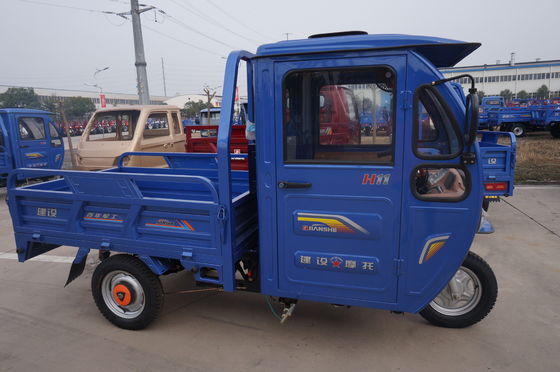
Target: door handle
pixel 293 185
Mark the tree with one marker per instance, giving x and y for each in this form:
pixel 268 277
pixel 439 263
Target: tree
pixel 210 94
pixel 522 94
pixel 20 97
pixel 481 94
pixel 507 94
pixel 78 107
pixel 192 108
pixel 50 103
pixel 542 92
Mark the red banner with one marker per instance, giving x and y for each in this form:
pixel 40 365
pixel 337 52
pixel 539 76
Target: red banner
pixel 102 100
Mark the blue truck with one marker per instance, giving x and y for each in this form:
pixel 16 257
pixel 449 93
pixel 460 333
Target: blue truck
pixel 489 104
pixel 383 222
pixel 28 139
pixel 549 117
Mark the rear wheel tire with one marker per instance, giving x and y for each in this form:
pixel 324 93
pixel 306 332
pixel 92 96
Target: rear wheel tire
pixel 518 129
pixel 126 292
pixel 555 130
pixel 467 299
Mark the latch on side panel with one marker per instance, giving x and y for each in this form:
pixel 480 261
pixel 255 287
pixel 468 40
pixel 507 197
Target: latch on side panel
pixel 221 217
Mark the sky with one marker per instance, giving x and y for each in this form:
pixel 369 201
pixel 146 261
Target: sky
pixel 60 44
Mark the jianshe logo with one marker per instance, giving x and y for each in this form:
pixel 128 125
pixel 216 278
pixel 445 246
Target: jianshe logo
pixel 319 228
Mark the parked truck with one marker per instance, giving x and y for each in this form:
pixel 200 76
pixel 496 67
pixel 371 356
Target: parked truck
pixel 382 224
pixel 28 139
pixel 487 105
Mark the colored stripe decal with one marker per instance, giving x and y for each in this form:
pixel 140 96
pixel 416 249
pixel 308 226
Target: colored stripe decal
pixel 333 218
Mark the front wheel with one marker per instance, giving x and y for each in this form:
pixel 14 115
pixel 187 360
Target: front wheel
pixel 468 297
pixel 126 292
pixel 518 129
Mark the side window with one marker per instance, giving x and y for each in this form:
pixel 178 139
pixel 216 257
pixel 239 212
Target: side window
pixel 440 184
pixel 157 126
pixel 56 139
pixel 436 134
pixel 176 124
pixel 342 116
pixel 31 129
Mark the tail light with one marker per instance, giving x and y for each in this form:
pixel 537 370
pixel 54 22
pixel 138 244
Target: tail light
pixel 495 186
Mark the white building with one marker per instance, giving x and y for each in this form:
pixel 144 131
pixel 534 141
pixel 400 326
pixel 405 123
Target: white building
pixel 527 76
pixel 181 100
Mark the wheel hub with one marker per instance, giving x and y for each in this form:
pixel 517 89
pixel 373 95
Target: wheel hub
pixel 461 295
pixel 123 294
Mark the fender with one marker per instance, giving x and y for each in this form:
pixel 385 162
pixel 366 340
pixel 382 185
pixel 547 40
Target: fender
pixel 78 265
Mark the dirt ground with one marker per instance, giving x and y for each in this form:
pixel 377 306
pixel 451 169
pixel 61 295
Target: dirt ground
pixel 538 159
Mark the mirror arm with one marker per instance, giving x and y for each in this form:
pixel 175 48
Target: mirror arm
pixel 472 89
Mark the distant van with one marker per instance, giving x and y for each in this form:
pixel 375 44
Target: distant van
pixel 151 128
pixel 28 139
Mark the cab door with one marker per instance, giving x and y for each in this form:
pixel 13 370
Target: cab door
pixel 56 151
pixel 5 158
pixel 32 141
pixel 178 141
pixel 442 192
pixel 156 137
pixel 338 188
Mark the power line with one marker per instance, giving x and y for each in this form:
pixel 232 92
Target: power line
pixel 244 24
pixel 211 20
pixel 68 7
pixel 181 41
pixel 181 23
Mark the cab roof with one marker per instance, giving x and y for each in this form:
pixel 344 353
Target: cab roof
pixel 441 52
pixel 139 108
pixel 23 111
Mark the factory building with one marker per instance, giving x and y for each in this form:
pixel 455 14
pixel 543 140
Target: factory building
pixel 524 76
pixel 111 99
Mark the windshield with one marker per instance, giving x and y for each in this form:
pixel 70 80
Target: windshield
pixel 113 126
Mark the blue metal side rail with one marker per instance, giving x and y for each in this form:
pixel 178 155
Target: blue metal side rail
pixel 110 210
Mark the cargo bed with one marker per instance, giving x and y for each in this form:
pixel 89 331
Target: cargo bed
pixel 165 214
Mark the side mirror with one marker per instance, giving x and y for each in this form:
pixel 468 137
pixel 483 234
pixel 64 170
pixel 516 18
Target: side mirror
pixel 472 107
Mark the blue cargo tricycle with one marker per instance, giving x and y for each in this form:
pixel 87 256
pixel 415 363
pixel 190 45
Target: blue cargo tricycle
pixel 381 220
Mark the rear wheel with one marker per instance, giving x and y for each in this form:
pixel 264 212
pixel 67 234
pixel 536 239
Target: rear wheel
pixel 126 292
pixel 468 297
pixel 518 129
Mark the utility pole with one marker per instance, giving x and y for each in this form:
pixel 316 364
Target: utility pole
pixel 287 35
pixel 142 77
pixel 163 73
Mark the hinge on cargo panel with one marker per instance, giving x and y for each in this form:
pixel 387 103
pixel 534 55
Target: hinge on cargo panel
pixel 222 213
pixel 399 266
pixel 406 99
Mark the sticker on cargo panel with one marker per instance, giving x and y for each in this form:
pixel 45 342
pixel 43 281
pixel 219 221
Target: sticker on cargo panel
pixel 175 224
pixel 103 217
